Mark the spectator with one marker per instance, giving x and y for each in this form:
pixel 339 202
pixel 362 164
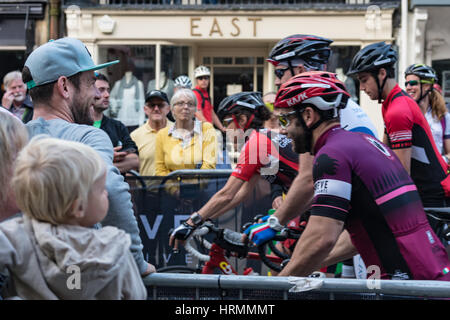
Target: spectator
pixel 205 111
pixel 59 212
pixel 182 82
pixel 13 137
pixel 60 75
pixel 156 108
pixel 188 143
pixel 126 156
pixel 15 99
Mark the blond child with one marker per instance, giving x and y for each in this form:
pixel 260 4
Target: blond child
pixel 51 252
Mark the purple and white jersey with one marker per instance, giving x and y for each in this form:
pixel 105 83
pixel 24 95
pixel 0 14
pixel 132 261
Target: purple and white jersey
pixel 360 181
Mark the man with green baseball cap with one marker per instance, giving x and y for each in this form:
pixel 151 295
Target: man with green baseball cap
pixel 61 81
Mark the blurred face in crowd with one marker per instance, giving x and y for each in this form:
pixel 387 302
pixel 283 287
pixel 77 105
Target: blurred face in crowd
pixel 18 89
pixel 84 98
pixel 102 103
pixel 412 84
pixel 156 109
pixel 184 109
pixel 203 82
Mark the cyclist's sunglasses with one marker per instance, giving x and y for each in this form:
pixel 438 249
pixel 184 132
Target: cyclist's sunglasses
pixel 416 82
pixel 279 73
pixel 283 119
pixel 203 78
pixel 411 83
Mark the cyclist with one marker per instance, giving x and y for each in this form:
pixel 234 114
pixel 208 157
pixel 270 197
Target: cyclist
pixel 359 185
pixel 420 80
pixel 266 153
pixel 183 81
pixel 407 131
pixel 291 56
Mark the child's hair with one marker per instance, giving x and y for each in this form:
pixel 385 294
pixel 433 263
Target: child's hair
pixel 13 137
pixel 53 176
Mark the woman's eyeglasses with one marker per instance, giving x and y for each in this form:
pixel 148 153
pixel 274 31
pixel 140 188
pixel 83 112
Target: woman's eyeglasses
pixel 182 103
pixel 280 72
pixel 411 83
pixel 283 119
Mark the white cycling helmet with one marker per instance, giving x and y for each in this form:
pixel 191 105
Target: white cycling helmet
pixel 201 71
pixel 183 82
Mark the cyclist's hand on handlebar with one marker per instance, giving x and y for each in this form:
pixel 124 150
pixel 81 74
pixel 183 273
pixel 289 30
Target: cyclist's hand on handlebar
pixel 182 232
pixel 261 232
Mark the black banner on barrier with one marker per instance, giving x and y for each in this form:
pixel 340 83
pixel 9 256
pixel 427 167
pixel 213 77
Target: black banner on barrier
pixel 162 203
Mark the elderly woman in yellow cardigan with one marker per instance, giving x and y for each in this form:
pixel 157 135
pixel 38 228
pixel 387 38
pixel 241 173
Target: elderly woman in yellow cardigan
pixel 188 143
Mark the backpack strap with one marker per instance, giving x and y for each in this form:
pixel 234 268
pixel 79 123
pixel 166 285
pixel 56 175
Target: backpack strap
pixel 443 124
pixel 202 96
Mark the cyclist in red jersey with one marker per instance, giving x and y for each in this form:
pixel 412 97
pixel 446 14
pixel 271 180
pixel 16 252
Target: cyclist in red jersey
pixel 407 132
pixel 266 153
pixel 359 185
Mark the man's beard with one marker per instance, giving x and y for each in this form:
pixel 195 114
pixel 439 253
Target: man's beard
pixel 19 98
pixel 81 113
pixel 302 140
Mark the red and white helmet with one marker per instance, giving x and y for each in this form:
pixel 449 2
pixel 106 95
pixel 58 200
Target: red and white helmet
pixel 318 88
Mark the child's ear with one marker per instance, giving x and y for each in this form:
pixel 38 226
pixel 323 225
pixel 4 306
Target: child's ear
pixel 78 209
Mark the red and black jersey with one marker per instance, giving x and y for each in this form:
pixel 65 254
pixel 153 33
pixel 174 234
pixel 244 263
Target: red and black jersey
pixel 406 127
pixel 269 154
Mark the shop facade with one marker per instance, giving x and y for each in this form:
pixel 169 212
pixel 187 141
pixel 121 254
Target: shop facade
pixel 156 46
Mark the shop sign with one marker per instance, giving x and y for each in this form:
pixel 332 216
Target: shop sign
pixel 232 26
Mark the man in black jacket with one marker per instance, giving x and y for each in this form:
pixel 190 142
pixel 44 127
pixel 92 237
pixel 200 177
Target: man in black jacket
pixel 125 150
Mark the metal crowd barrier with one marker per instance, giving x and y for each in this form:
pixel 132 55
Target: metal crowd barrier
pixel 165 286
pixel 161 203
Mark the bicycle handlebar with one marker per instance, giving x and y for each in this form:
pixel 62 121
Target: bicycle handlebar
pixel 231 241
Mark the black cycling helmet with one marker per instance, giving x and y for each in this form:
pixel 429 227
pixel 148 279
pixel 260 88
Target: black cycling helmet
pixel 248 101
pixel 423 71
pixel 313 50
pixel 426 75
pixel 371 58
pixel 243 100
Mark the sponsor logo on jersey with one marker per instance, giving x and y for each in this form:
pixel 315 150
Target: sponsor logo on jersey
pixel 332 187
pixel 377 144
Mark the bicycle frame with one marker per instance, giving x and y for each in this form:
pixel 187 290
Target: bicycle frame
pixel 219 260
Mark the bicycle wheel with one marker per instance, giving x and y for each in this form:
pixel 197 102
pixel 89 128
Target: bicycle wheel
pixel 177 269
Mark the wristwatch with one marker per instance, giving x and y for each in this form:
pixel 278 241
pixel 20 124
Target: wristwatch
pixel 196 219
pixel 274 223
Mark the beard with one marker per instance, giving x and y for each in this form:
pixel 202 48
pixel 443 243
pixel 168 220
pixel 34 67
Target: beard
pixel 301 139
pixel 81 111
pixel 19 97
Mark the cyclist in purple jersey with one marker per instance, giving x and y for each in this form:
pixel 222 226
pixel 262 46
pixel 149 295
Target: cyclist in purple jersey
pixel 359 185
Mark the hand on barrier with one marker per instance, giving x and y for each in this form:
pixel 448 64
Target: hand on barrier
pixel 261 232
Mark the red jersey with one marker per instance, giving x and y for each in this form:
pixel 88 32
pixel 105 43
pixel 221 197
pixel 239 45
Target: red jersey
pixel 269 154
pixel 204 103
pixel 407 127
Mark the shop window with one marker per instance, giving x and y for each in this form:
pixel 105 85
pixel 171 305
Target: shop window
pixel 340 63
pixel 134 75
pixel 223 60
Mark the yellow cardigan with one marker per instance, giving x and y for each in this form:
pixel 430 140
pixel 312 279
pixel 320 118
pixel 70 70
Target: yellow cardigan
pixel 174 154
